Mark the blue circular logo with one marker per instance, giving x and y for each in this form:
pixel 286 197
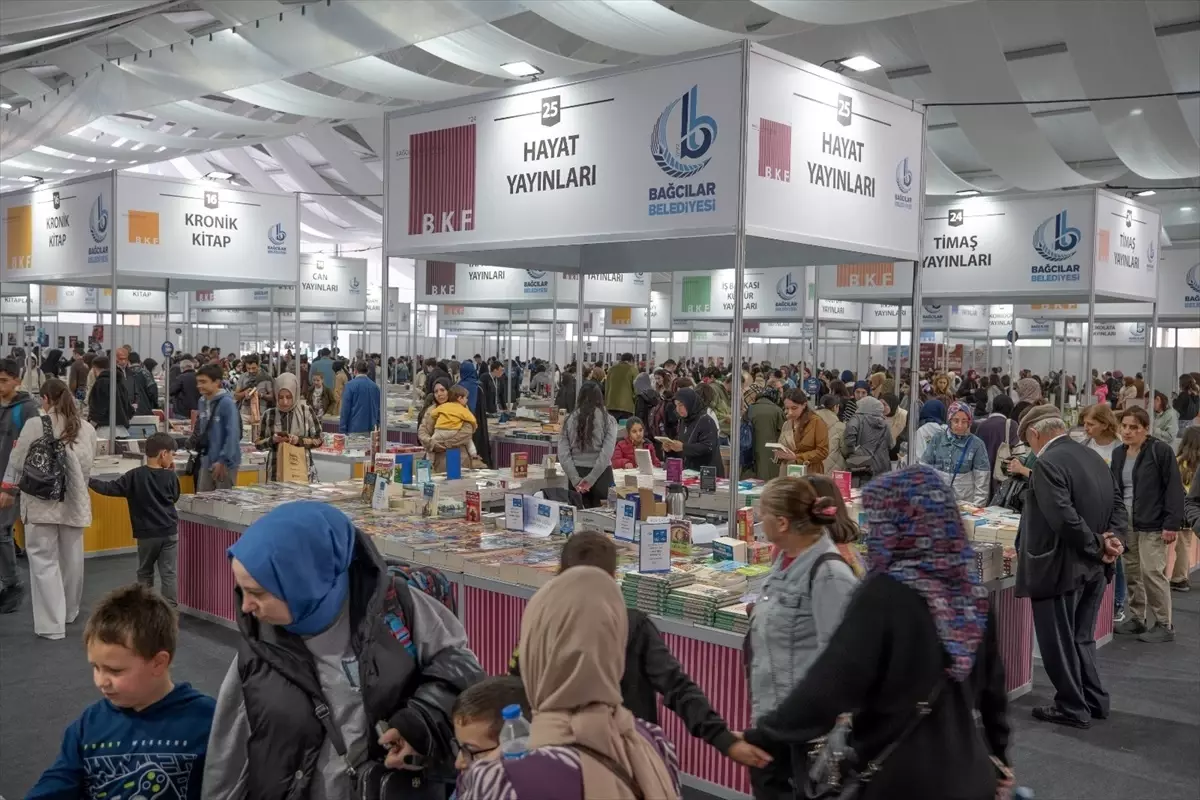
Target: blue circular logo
pixel 1193 278
pixel 679 149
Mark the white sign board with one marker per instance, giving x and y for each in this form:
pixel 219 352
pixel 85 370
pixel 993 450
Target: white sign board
pixel 1179 285
pixel 830 161
pixel 1030 247
pixel 474 284
pixel 1119 334
pixel 969 318
pixel 58 233
pixel 16 306
pixel 1122 312
pixel 1036 328
pixel 205 231
pixel 647 154
pixel 1000 320
pixel 327 283
pixel 1126 247
pixel 772 293
pixel 877 317
pixel 634 319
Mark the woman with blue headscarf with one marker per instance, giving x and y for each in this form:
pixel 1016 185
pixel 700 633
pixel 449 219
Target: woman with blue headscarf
pixel 331 647
pixel 469 379
pixel 919 631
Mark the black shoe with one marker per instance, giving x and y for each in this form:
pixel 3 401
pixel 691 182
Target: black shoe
pixel 10 598
pixel 1099 714
pixel 1059 717
pixel 1132 626
pixel 1181 586
pixel 20 551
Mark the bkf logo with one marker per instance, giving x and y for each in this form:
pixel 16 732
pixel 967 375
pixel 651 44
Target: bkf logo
pixel 845 109
pixel 955 217
pixel 904 177
pixel 56 199
pixel 98 220
pixel 1062 245
pixel 786 288
pixel 441 278
pixel 441 186
pixel 204 296
pixel 775 150
pixel 212 199
pixel 683 156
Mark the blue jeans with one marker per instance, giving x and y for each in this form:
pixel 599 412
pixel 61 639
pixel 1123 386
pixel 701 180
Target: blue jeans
pixel 1120 589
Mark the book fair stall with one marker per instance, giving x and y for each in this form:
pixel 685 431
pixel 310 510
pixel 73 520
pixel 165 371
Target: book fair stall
pixel 141 240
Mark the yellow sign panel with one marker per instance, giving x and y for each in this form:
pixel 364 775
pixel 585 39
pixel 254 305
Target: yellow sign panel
pixel 143 227
pixel 622 316
pixel 18 250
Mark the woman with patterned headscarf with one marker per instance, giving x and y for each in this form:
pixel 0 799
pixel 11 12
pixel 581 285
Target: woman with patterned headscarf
pixel 916 653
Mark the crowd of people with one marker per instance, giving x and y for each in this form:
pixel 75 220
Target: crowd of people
pixel 353 675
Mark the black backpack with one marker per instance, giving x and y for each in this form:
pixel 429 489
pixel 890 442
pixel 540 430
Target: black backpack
pixel 45 473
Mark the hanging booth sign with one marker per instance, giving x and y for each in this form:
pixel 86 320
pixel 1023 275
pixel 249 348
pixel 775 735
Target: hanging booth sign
pixel 61 299
pixel 1119 334
pixel 1127 245
pixel 327 283
pixel 205 232
pixel 1000 321
pixel 772 293
pixel 1036 328
pixel 630 318
pixel 19 306
pixel 877 317
pixel 836 162
pixel 474 284
pixel 59 232
pixel 969 318
pixel 1124 312
pixel 1179 285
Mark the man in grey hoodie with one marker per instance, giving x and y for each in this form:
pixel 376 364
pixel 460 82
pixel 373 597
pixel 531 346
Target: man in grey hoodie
pixel 16 407
pixel 867 441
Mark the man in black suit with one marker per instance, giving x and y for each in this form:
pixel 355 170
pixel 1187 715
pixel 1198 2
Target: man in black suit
pixel 1072 530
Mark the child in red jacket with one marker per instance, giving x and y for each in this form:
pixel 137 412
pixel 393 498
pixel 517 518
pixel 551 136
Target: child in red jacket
pixel 635 439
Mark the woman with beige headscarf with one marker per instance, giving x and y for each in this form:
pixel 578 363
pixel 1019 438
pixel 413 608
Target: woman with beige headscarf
pixel 583 744
pixel 289 421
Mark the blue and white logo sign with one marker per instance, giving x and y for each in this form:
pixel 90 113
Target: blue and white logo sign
pixel 1151 257
pixel 904 184
pixel 98 220
pixel 1055 248
pixel 167 349
pixel 682 154
pixel 1062 245
pixel 276 236
pixel 1192 299
pixel 786 288
pixel 98 225
pixel 355 287
pixel 536 282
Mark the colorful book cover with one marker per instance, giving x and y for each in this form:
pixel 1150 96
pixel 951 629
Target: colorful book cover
pixel 474 506
pixel 520 465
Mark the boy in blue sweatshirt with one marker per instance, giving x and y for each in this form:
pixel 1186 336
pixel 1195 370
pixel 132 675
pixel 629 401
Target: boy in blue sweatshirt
pixel 148 737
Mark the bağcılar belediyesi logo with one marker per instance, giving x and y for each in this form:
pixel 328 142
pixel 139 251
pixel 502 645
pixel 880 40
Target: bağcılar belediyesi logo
pixel 98 227
pixel 276 236
pixel 1055 249
pixel 1192 299
pixel 679 144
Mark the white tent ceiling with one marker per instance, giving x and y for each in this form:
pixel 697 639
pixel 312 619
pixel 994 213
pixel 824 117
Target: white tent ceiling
pixel 289 96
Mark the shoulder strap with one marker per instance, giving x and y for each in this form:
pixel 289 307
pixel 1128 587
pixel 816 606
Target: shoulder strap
pixel 47 427
pixel 612 766
pixel 821 559
pixel 923 710
pixel 19 417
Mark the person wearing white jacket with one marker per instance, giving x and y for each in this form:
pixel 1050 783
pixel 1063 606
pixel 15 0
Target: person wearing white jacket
pixel 54 528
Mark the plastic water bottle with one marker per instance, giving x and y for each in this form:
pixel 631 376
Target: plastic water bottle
pixel 514 734
pixel 1022 793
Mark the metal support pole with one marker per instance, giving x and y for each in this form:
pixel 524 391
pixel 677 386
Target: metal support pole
pixel 580 373
pixel 554 330
pixel 899 338
pixel 914 360
pixel 858 350
pixel 167 359
pixel 512 361
pixel 739 279
pixel 1152 339
pixel 649 338
pixel 113 375
pixel 804 322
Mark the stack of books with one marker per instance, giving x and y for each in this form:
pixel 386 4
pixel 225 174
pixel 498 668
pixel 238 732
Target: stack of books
pixel 698 602
pixel 648 592
pixel 734 618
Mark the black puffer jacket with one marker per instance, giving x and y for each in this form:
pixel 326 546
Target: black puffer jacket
pixel 280 687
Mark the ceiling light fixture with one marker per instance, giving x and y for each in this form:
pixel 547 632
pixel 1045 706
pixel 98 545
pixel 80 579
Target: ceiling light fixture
pixel 6 106
pixel 522 69
pixel 1135 112
pixel 1185 208
pixel 859 63
pixel 30 179
pixel 218 175
pixel 967 192
pixel 1145 193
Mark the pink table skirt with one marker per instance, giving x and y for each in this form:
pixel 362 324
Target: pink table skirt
pixel 205 579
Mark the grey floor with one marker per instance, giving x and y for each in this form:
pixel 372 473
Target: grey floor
pixel 1149 748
